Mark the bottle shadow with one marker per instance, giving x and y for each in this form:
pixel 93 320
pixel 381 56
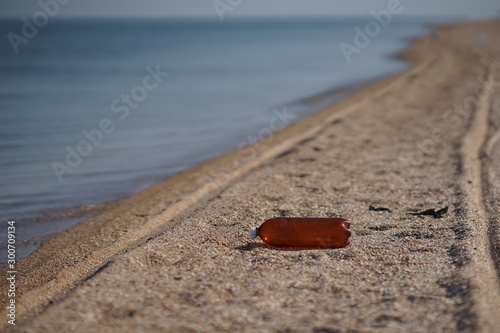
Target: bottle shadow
pixel 250 246
pixel 255 245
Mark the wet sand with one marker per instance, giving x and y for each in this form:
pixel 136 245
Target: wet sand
pixel 177 257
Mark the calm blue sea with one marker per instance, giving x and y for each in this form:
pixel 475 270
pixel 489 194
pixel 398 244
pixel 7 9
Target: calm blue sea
pixel 107 78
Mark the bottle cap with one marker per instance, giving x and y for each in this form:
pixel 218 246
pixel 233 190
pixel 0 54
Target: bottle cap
pixel 254 232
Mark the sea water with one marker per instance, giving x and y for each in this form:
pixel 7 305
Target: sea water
pixel 153 97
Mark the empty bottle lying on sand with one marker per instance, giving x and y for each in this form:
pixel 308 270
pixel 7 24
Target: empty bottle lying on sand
pixel 304 232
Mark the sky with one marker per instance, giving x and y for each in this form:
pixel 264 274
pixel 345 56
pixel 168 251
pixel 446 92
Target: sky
pixel 249 8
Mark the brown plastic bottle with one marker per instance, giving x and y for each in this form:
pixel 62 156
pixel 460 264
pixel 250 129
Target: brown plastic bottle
pixel 304 232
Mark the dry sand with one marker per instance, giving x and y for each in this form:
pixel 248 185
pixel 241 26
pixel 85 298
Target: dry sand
pixel 178 258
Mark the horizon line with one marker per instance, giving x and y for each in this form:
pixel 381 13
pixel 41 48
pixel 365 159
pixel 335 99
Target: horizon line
pixel 243 17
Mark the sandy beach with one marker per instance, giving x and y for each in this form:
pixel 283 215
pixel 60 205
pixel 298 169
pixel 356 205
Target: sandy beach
pixel 178 257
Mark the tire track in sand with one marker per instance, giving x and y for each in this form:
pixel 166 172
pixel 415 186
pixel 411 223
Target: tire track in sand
pixel 481 270
pixel 491 175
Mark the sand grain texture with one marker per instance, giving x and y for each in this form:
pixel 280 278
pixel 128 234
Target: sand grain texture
pixel 426 139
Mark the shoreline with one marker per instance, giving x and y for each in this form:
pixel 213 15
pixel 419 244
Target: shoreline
pixel 187 210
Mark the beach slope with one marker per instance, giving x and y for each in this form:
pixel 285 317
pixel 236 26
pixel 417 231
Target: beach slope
pixel 412 160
